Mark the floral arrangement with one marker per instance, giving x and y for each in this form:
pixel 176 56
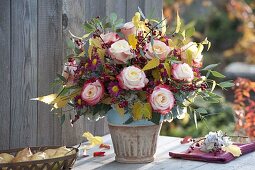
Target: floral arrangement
pixel 140 67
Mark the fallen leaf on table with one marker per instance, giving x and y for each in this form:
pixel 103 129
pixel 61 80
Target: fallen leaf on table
pixel 95 154
pixel 186 139
pixel 104 146
pixel 233 149
pixel 93 140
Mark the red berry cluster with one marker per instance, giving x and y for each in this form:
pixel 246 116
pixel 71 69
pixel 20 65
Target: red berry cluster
pixel 193 87
pixel 123 104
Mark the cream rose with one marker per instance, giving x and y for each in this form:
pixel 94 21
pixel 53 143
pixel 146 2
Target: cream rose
pixel 159 48
pixel 182 72
pixel 162 99
pixel 128 29
pixel 92 92
pixel 132 78
pixel 120 52
pixel 110 37
pixel 192 49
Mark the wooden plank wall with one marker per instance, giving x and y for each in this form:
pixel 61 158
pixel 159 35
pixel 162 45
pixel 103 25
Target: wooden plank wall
pixel 32 46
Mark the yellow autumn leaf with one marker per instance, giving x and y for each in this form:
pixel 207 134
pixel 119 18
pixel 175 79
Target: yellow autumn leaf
pixel 121 111
pixel 189 57
pixel 137 111
pixel 154 62
pixel 199 49
pixel 141 111
pixel 233 149
pixel 163 29
pixel 178 23
pixel 93 140
pixel 46 99
pixel 132 40
pixel 168 69
pixel 156 74
pixel 136 19
pixel 147 111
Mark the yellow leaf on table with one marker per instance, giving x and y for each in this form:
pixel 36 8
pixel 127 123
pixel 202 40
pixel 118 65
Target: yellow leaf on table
pixel 132 40
pixel 121 111
pixel 233 149
pixel 154 62
pixel 93 140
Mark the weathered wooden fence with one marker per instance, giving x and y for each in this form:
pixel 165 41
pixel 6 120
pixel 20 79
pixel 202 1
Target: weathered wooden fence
pixel 32 43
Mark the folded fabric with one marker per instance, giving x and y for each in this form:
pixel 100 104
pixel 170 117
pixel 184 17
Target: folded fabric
pixel 219 157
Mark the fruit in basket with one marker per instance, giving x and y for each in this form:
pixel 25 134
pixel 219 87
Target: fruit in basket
pixel 39 156
pixel 50 152
pixel 62 151
pixel 6 158
pixel 23 155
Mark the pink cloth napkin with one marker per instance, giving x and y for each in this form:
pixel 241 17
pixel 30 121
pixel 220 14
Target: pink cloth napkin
pixel 221 157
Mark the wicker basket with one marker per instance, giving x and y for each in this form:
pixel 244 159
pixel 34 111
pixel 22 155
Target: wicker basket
pixel 65 162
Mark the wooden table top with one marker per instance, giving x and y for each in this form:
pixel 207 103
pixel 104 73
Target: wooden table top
pixel 162 159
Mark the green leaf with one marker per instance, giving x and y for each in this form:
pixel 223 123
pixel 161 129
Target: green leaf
pixel 178 23
pixel 107 25
pixel 156 118
pixel 190 31
pixel 113 17
pixel 213 85
pixel 201 110
pixel 217 74
pixel 88 27
pixel 70 44
pixel 195 118
pixel 130 120
pixel 226 84
pixel 141 12
pixel 210 67
pixel 61 78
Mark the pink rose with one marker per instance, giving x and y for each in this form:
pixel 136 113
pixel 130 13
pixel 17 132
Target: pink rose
pixel 92 92
pixel 162 99
pixel 120 52
pixel 128 29
pixel 182 72
pixel 110 37
pixel 69 70
pixel 159 49
pixel 132 78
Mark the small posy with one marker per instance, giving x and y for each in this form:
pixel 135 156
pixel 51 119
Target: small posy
pixel 106 146
pixel 95 154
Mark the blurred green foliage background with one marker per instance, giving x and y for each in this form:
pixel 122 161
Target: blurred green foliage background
pixel 212 19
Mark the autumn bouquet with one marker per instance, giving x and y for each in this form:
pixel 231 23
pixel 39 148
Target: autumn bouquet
pixel 141 68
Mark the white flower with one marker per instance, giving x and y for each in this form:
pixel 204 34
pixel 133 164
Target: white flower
pixel 192 49
pixel 132 78
pixel 120 51
pixel 182 72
